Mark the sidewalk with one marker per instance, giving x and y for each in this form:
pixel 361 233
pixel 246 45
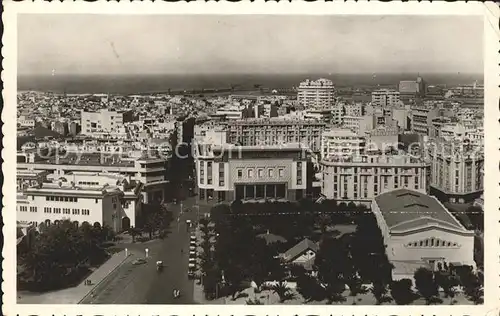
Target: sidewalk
pixel 75 294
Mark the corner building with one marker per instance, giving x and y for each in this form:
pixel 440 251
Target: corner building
pixel 361 178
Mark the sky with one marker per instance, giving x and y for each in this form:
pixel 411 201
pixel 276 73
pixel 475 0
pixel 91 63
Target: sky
pixel 196 44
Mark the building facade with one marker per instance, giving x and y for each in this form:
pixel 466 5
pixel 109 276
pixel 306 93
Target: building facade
pixel 252 132
pixel 319 93
pixel 251 173
pixel 106 199
pixel 341 142
pixel 103 121
pixel 419 231
pixel 150 172
pixel 360 178
pixel 385 98
pixel 457 169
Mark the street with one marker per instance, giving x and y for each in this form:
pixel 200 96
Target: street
pixel 143 284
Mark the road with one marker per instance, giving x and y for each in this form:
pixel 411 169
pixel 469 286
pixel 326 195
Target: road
pixel 143 284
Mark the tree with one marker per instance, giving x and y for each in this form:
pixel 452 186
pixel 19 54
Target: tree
pixel 401 292
pixel 355 285
pixel 134 232
pixel 284 292
pixel 379 291
pixel 61 255
pixel 472 285
pixel 426 284
pixel 447 282
pixel 310 289
pixel 323 221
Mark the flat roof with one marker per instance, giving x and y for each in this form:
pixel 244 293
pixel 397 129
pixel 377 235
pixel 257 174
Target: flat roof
pixel 405 209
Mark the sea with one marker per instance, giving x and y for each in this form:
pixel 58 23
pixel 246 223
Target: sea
pixel 156 83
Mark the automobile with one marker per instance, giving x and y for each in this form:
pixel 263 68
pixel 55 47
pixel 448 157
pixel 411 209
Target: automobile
pixel 193 237
pixel 139 261
pixel 192 243
pixel 192 266
pixel 192 248
pixel 192 259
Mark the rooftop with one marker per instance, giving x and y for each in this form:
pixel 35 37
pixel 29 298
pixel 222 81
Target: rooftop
pixel 405 210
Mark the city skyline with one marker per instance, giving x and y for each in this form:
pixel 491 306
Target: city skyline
pixel 243 44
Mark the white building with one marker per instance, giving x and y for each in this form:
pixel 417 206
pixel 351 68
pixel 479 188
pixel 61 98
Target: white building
pixel 341 142
pixel 151 172
pixel 104 121
pixel 419 231
pixel 385 98
pixel 107 199
pixel 319 93
pixel 360 178
pixel 359 124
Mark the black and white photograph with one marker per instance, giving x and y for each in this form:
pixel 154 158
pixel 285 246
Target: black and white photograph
pixel 250 159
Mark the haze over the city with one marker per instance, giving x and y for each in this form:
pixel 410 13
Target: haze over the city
pixel 105 44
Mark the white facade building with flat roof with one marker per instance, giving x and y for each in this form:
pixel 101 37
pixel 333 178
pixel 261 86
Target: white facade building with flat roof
pixel 341 142
pixel 106 199
pixel 319 93
pixel 360 178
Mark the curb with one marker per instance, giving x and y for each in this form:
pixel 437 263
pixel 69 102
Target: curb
pixel 104 279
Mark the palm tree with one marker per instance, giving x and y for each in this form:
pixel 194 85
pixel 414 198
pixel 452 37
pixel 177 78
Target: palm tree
pixel 283 291
pixel 254 301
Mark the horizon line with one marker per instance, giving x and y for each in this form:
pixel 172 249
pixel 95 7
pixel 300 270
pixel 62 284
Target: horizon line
pixel 417 73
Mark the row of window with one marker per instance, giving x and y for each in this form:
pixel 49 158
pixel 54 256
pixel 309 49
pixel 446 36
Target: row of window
pixel 432 242
pixel 61 198
pixel 260 173
pixel 33 209
pixel 65 211
pixel 88 183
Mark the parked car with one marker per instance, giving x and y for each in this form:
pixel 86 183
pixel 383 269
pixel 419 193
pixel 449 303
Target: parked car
pixel 139 261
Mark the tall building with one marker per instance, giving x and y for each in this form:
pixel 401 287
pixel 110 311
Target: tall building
pixel 385 98
pixel 341 142
pixel 457 169
pixel 104 121
pixel 251 173
pixel 419 231
pixel 319 93
pixel 360 178
pixel 274 131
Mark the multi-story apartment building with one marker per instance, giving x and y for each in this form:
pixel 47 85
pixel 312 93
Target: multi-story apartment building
pixel 103 198
pixel 421 119
pixel 341 142
pixel 150 172
pixel 383 138
pixel 274 131
pixel 319 93
pixel 385 98
pixel 103 121
pixel 359 124
pixel 457 169
pixel 251 173
pixel 357 109
pixel 360 178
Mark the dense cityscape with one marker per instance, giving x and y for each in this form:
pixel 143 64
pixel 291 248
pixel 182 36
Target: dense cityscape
pixel 353 195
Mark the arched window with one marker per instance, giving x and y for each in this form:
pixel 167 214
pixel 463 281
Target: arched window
pixel 443 243
pixel 427 242
pixel 47 222
pixel 432 242
pixel 449 244
pixel 421 243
